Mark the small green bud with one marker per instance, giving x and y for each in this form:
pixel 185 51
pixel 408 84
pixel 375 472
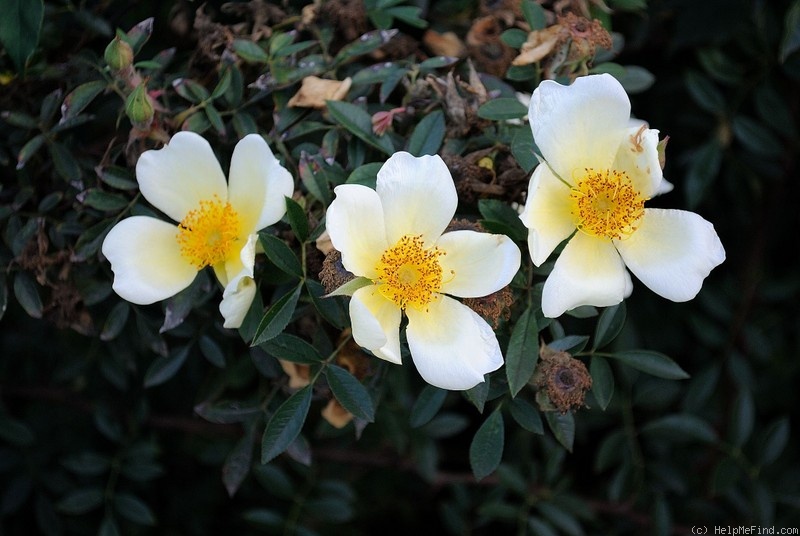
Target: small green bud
pixel 118 54
pixel 139 107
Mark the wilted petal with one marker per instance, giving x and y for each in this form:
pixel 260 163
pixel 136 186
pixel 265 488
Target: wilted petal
pixel 672 252
pixel 355 223
pixel 376 323
pixel 258 184
pixel 175 178
pixel 579 126
pixel 237 299
pixel 476 264
pixel 638 158
pixel 418 196
pixel 588 272
pixel 452 347
pixel 146 260
pixel 547 214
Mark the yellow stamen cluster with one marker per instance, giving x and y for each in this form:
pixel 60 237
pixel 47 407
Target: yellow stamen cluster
pixel 606 204
pixel 409 274
pixel 207 234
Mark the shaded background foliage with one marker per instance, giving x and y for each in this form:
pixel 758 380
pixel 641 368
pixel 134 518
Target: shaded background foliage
pixel 115 420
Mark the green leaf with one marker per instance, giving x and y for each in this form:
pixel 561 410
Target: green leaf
pixel 27 294
pixel 703 170
pixel 775 438
pixel 249 51
pixel 523 351
pixel 514 37
pixel 486 449
pixel 280 254
pixel 705 93
pixel 681 427
pixel 29 149
pixel 436 62
pixel 571 343
pixel 331 308
pixel 654 363
pixel 314 177
pixel 364 45
pixel 742 419
pixel 226 411
pixel 277 317
pixel 756 136
pixel 297 219
pixel 20 26
pixel 285 424
pixel 19 119
pixel 526 415
pixel 563 427
pixel 165 367
pixel 134 509
pixel 87 463
pixel 108 527
pixel 426 406
pixel 80 97
pixel 478 394
pixel 116 321
pixel 359 123
pixel 215 119
pixel 237 464
pixel 81 501
pixel 262 516
pixel 366 175
pixel 560 518
pixel 15 432
pixel 104 201
pixel 524 149
pixel 609 325
pixel 3 295
pixel 534 14
pixel 502 109
pixel 500 217
pixel 350 393
pixel 190 90
pixel 791 33
pixel 602 381
pixel 292 348
pixel 211 351
pixel 64 162
pixel 428 135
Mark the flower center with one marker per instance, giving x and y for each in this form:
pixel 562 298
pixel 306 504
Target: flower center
pixel 606 204
pixel 408 274
pixel 207 234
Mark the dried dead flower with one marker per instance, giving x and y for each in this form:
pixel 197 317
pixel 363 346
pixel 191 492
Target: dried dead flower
pixel 561 381
pixel 336 415
pixel 539 45
pixel 314 91
pixel 444 44
pixel 494 307
pixel 352 358
pixel 334 274
pixel 299 374
pixel 485 47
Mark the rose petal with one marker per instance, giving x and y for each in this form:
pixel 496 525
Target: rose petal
pixel 146 260
pixel 452 347
pixel 672 252
pixel 258 184
pixel 588 272
pixel 476 264
pixel 376 323
pixel 638 157
pixel 418 196
pixel 175 178
pixel 356 226
pixel 547 214
pixel 237 299
pixel 579 126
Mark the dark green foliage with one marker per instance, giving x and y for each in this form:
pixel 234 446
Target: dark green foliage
pixel 118 418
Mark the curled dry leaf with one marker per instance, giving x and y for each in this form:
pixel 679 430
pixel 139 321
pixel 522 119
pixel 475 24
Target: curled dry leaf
pixel 314 91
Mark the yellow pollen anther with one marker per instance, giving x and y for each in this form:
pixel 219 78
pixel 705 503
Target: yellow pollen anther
pixel 409 274
pixel 605 204
pixel 207 234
